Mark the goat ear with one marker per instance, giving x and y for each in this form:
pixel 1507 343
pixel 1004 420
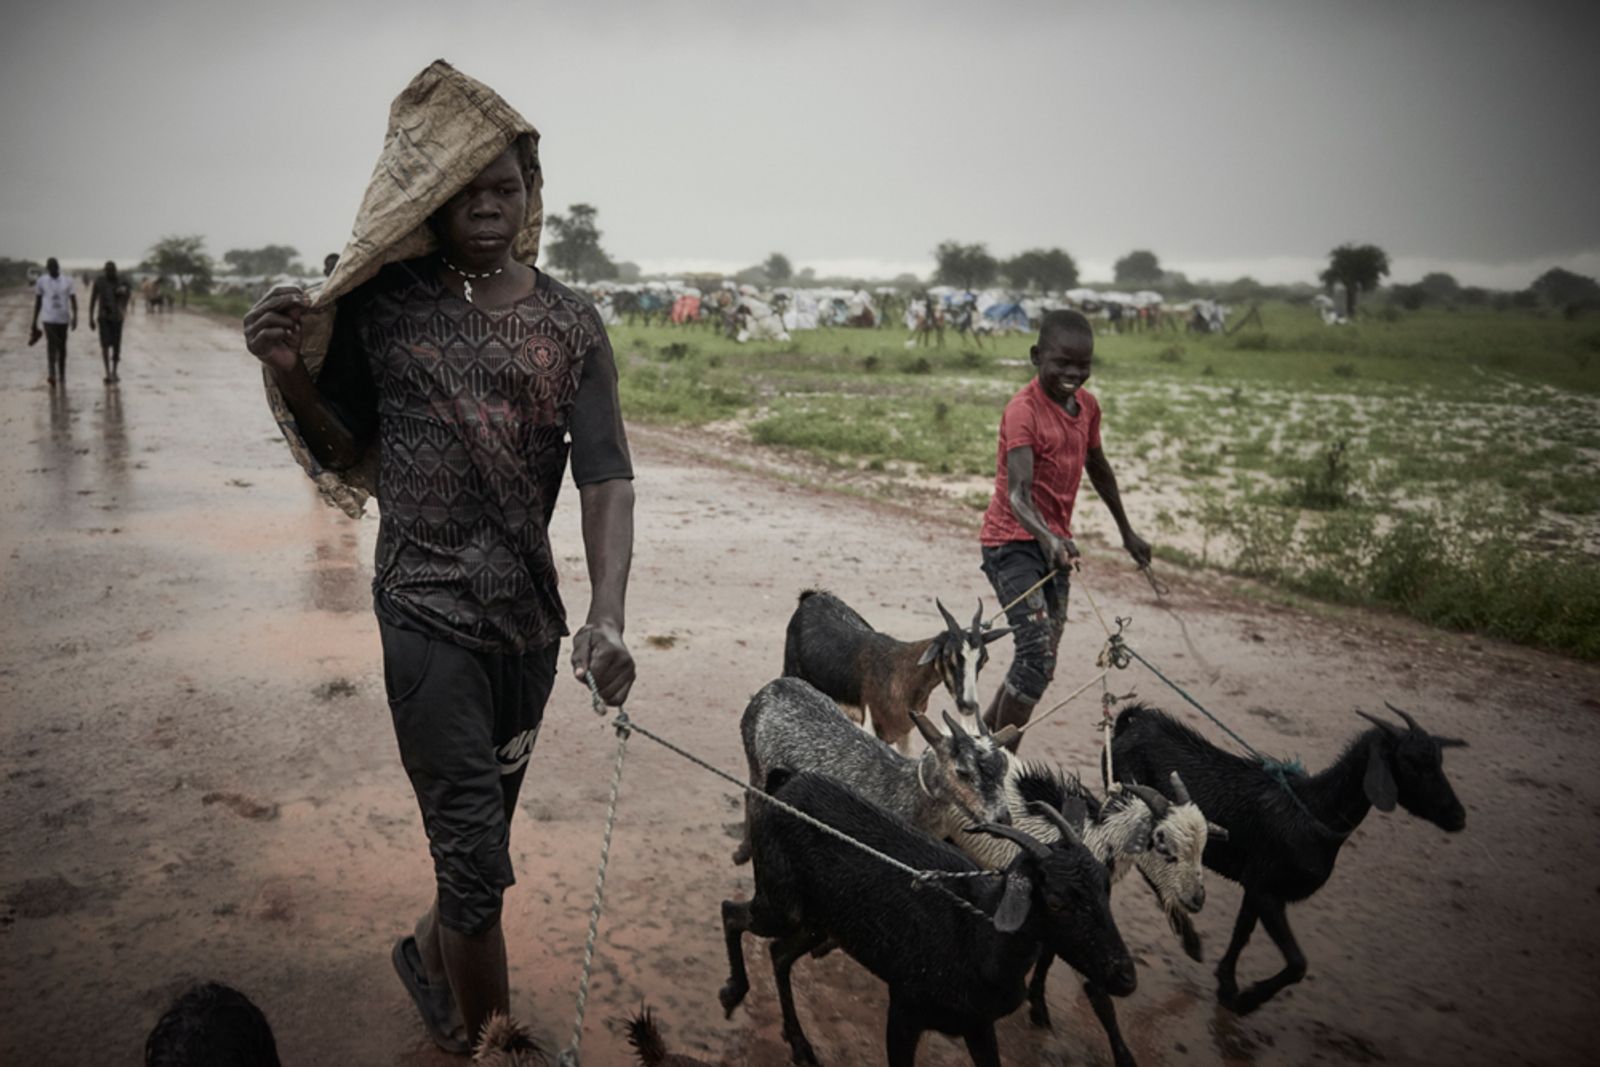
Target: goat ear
pixel 928 731
pixel 1184 928
pixel 994 635
pixel 1215 832
pixel 1379 782
pixel 930 653
pixel 1015 903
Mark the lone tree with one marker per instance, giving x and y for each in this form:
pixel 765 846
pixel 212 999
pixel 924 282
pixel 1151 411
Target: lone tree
pixel 576 250
pixel 185 259
pixel 1138 268
pixel 269 259
pixel 1356 267
pixel 1563 289
pixel 966 266
pixel 1042 269
pixel 778 268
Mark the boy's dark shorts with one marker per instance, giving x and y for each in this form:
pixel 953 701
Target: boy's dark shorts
pixel 110 332
pixel 466 723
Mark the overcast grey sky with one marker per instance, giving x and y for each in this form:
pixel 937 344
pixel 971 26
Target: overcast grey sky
pixel 1227 137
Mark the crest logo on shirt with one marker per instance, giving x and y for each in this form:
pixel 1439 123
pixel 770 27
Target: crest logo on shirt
pixel 544 355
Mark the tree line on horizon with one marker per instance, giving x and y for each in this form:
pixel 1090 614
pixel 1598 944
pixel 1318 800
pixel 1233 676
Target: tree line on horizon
pixel 572 247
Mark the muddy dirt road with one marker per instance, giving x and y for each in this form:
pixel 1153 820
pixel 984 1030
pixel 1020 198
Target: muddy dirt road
pixel 198 777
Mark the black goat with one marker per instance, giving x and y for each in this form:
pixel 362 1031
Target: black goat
pixel 1282 848
pixel 947 969
pixel 831 646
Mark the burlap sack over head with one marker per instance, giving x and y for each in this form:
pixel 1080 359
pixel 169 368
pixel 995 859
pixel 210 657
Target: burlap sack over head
pixel 444 128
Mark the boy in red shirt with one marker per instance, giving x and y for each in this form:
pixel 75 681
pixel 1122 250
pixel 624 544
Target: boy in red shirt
pixel 1049 435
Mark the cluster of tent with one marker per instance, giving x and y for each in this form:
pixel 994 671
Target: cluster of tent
pixel 747 313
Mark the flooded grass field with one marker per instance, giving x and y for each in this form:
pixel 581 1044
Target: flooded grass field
pixel 1326 461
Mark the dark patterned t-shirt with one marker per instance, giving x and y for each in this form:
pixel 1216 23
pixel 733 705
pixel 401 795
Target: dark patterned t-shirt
pixel 474 410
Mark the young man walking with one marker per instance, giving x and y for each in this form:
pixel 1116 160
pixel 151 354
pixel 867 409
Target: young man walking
pixel 109 297
pixel 464 377
pixel 1049 436
pixel 55 304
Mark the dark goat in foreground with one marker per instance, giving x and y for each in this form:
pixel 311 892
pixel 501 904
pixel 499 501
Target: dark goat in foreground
pixel 947 969
pixel 1280 850
pixel 831 646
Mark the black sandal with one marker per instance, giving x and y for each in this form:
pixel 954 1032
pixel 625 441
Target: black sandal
pixel 433 1003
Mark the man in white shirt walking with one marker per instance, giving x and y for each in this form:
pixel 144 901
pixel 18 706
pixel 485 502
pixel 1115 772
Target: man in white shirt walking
pixel 55 305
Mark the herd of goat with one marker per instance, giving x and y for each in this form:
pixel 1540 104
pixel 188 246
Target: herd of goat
pixel 1015 861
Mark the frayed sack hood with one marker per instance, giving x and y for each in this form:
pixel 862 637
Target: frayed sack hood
pixel 444 128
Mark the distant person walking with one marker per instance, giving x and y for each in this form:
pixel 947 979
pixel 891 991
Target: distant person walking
pixel 55 305
pixel 110 297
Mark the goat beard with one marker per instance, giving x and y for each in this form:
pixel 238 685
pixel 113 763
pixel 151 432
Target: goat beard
pixel 1181 924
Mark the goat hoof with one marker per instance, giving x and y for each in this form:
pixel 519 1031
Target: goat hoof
pixel 802 1053
pixel 1248 1001
pixel 731 997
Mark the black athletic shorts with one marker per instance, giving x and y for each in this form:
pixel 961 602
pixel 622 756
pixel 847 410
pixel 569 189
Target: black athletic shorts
pixel 466 723
pixel 110 332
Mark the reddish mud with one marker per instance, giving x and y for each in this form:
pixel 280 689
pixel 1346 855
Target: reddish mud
pixel 198 778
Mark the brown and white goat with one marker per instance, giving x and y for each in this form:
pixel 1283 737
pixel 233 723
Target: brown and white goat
pixel 877 679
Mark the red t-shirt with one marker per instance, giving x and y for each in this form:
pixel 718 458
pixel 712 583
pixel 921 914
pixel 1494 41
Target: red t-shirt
pixel 1060 444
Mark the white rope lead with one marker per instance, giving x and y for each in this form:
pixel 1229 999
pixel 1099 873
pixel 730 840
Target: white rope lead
pixel 569 1058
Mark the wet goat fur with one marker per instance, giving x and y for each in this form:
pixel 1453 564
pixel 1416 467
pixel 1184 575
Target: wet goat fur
pixel 1278 849
pixel 947 970
pixel 791 726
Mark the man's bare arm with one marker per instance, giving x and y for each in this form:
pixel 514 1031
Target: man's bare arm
pixel 94 299
pixel 598 648
pixel 272 333
pixel 1060 551
pixel 1104 480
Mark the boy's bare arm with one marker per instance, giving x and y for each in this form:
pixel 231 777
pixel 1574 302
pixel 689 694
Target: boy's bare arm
pixel 1104 480
pixel 1019 491
pixel 598 648
pixel 272 333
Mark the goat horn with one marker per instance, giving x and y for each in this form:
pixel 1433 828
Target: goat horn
pixel 1056 819
pixel 1409 720
pixel 929 732
pixel 977 621
pixel 955 727
pixel 1215 832
pixel 1023 840
pixel 1387 727
pixel 949 619
pixel 1157 803
pixel 1178 789
pixel 983 726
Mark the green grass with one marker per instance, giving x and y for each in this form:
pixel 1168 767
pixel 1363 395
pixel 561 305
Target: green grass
pixel 232 305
